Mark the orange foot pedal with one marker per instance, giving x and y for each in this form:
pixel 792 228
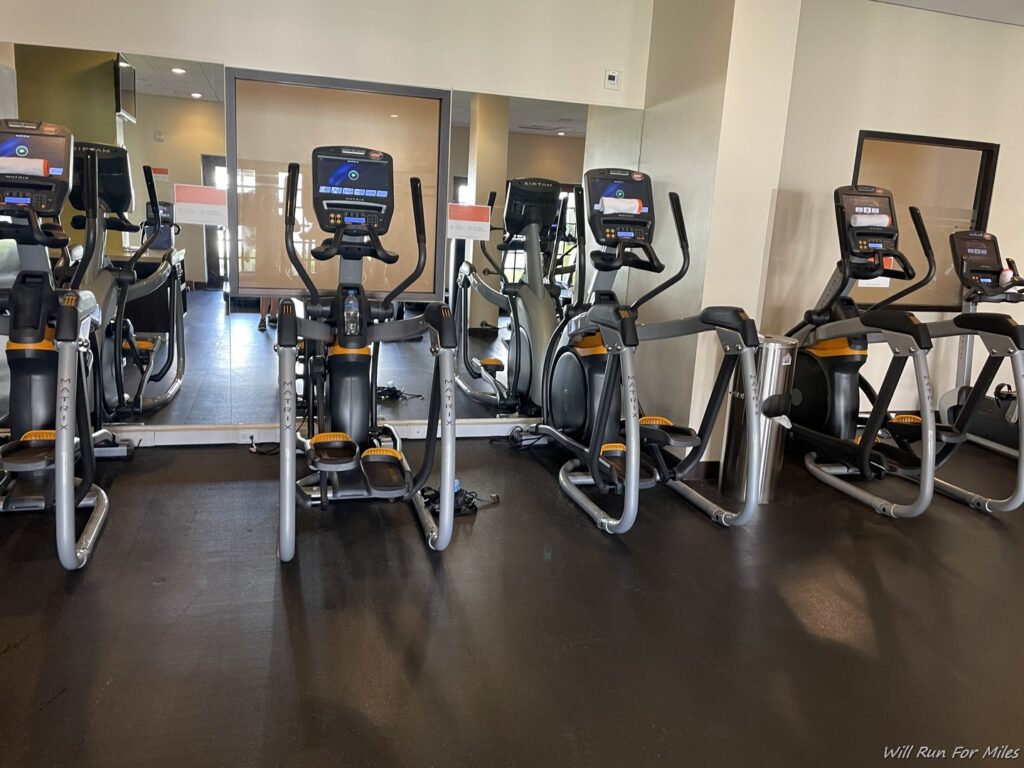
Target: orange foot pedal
pixel 615 455
pixel 384 470
pixel 332 452
pixel 661 431
pixel 34 451
pixel 490 364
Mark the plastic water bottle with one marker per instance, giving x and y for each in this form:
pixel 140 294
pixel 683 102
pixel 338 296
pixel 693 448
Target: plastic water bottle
pixel 350 315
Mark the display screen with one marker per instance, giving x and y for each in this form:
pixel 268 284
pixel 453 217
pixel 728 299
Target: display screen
pixel 865 205
pixel 621 189
pixel 125 76
pixel 52 149
pixel 980 254
pixel 354 178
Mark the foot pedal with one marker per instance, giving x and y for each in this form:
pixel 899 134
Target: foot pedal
pixel 384 470
pixel 332 452
pixel 490 364
pixel 661 431
pixel 615 455
pixel 35 451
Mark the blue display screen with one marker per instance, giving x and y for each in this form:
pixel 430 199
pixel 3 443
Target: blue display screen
pixel 338 176
pixel 876 246
pixel 52 149
pixel 17 200
pixel 624 234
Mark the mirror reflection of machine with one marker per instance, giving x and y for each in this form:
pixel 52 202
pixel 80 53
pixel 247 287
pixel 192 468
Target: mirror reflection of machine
pixel 142 299
pixel 532 208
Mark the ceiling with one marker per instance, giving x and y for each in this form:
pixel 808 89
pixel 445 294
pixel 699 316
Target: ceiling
pixel 530 115
pixel 153 76
pixel 1003 11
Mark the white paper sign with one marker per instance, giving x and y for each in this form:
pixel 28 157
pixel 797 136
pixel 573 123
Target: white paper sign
pixel 469 222
pixel 194 204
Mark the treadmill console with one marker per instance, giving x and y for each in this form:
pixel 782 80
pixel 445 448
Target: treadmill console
pixel 976 258
pixel 531 201
pixel 353 189
pixel 35 167
pixel 114 177
pixel 867 228
pixel 621 206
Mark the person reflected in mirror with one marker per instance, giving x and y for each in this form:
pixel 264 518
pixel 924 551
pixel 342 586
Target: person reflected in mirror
pixel 268 313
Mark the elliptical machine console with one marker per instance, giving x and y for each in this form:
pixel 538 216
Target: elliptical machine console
pixel 620 206
pixel 979 265
pixel 354 191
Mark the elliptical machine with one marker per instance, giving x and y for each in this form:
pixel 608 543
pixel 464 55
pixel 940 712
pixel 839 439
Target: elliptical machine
pixel 531 208
pixel 996 425
pixel 834 339
pixel 835 336
pixel 48 348
pixel 116 283
pixel 349 454
pixel 591 394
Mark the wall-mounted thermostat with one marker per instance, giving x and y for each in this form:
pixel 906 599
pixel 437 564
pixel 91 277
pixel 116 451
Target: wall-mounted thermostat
pixel 612 79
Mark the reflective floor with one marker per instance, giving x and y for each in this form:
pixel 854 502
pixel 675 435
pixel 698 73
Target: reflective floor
pixel 820 635
pixel 231 371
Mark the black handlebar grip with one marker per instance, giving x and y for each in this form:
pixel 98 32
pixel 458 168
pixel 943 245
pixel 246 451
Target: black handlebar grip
pixel 291 195
pixel 922 234
pixel 154 202
pixel 677 214
pixel 91 185
pixel 581 220
pixel 491 198
pixel 417 210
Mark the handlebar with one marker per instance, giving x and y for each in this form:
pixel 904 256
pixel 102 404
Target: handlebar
pixel 154 228
pixel 491 197
pixel 929 254
pixel 684 246
pixel 91 194
pixel 290 204
pixel 416 189
pixel 581 244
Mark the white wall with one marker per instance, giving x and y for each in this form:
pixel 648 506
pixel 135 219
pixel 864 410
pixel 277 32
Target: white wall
pixel 681 128
pixel 937 75
pixel 441 43
pixel 754 116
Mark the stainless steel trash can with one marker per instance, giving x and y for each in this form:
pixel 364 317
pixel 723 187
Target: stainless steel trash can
pixel 776 362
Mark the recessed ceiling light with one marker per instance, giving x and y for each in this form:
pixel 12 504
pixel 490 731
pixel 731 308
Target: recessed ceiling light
pixel 394 115
pixel 561 133
pixel 197 95
pixel 178 70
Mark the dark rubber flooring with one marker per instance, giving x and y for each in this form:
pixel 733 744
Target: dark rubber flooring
pixel 818 636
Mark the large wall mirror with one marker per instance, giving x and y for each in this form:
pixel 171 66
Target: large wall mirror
pixel 950 181
pixel 219 142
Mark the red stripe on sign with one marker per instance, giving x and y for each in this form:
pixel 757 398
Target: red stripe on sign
pixel 161 171
pixel 479 213
pixel 190 193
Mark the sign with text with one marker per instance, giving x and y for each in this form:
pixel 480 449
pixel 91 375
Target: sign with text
pixel 195 204
pixel 161 174
pixel 469 222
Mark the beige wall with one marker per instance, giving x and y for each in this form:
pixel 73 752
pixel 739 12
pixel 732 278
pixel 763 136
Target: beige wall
pixel 550 157
pixel 613 137
pixel 442 43
pixel 72 88
pixel 269 137
pixel 681 128
pixel 931 62
pixel 187 129
pixel 559 158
